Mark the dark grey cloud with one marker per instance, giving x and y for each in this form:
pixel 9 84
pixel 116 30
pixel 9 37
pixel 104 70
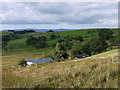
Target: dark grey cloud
pixel 59 13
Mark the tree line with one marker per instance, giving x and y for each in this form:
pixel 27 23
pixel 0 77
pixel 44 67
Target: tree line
pixel 95 46
pixel 13 35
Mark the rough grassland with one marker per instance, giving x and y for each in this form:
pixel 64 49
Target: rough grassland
pixel 93 72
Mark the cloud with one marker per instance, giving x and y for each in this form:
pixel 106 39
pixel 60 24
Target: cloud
pixel 52 8
pixel 59 13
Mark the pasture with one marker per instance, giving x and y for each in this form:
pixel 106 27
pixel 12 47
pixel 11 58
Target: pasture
pixel 19 46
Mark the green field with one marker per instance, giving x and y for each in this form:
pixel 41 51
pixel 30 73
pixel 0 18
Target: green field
pixel 19 45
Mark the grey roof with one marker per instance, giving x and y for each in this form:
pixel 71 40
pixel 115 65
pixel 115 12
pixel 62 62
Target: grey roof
pixel 81 56
pixel 40 61
pixel 32 60
pixel 44 60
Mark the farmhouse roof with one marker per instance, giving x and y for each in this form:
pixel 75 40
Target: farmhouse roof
pixel 40 61
pixel 32 60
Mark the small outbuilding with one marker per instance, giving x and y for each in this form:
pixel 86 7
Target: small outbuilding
pixel 38 61
pixel 79 56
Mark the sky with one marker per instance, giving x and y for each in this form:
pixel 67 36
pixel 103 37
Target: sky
pixel 58 15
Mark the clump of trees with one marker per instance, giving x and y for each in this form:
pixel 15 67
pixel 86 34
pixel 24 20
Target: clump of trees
pixel 105 34
pixel 24 31
pixel 32 40
pixel 98 45
pixel 61 40
pixel 15 34
pixel 36 42
pixel 42 38
pixel 50 31
pixel 114 42
pixel 6 38
pixel 95 46
pixel 76 49
pixel 67 43
pixel 92 31
pixel 52 37
pixel 60 51
pixel 80 38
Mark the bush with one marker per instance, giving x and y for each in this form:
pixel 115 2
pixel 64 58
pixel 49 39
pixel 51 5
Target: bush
pixel 76 49
pixel 86 49
pixel 40 44
pixel 60 51
pixel 36 42
pixel 31 40
pixel 79 38
pixel 68 45
pixel 50 31
pixel 42 38
pixel 114 42
pixel 61 40
pixel 22 63
pixel 98 45
pixel 52 36
pixel 24 31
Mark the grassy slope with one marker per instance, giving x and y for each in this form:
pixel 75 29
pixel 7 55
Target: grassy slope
pixel 97 71
pixel 19 46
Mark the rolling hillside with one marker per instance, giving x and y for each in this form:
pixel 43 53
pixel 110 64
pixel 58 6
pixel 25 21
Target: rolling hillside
pixel 19 46
pixel 98 71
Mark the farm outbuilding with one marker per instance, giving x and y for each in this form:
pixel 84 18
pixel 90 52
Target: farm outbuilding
pixel 38 61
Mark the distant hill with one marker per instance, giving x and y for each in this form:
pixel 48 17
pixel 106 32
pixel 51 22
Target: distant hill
pixel 43 30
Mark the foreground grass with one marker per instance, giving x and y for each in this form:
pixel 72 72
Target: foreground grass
pixel 98 71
